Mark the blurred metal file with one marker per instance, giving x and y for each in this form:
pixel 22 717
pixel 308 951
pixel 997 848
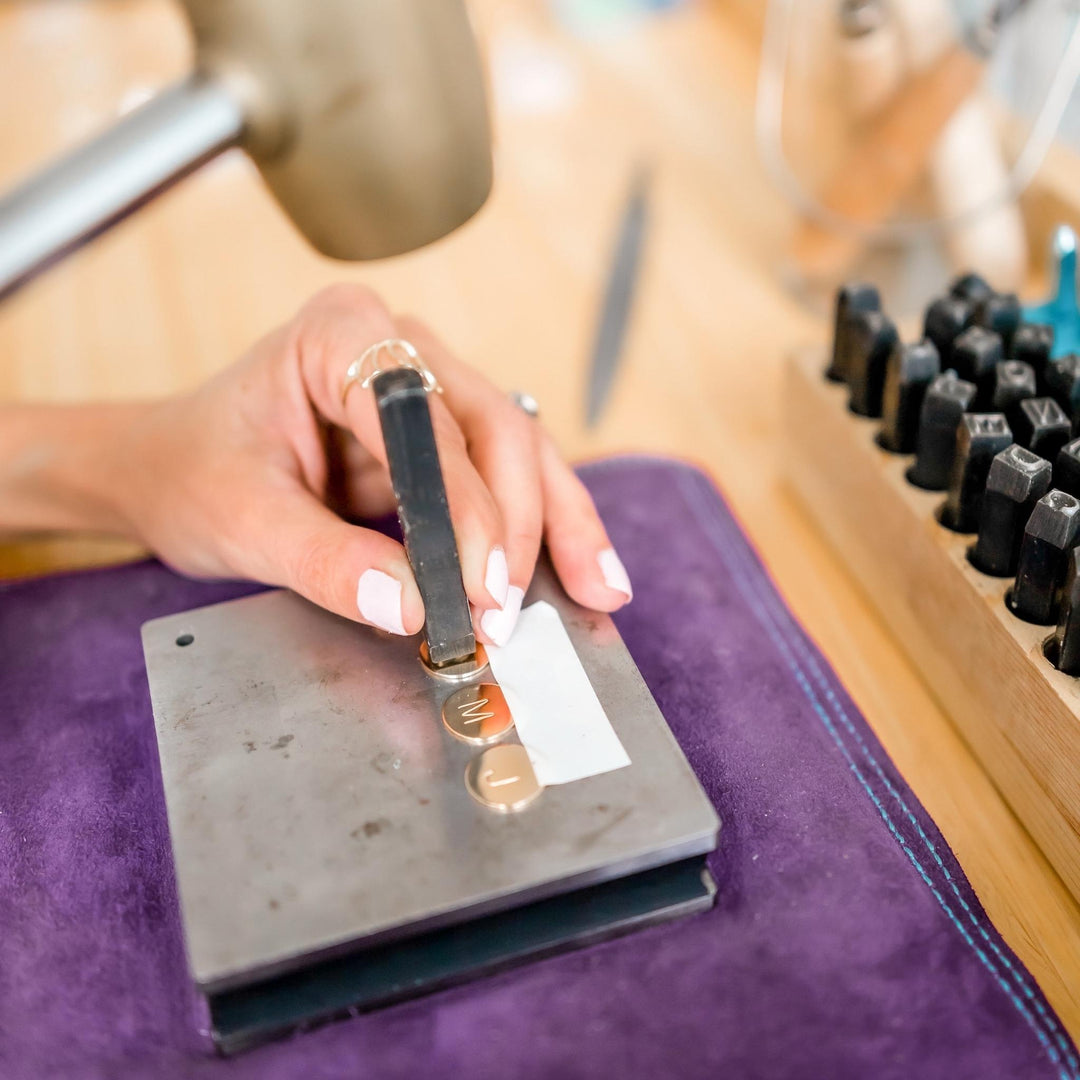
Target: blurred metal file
pixel 618 295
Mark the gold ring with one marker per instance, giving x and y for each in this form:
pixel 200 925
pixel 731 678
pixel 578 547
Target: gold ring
pixel 403 354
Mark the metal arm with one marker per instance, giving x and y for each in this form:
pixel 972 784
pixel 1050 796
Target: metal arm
pixel 100 183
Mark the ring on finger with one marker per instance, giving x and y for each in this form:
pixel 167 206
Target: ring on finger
pixel 526 403
pixel 384 356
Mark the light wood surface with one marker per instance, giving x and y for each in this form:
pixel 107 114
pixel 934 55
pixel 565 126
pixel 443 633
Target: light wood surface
pixel 1019 715
pixel 176 293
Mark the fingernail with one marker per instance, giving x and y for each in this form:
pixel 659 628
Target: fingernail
pixel 378 596
pixel 497 576
pixel 615 575
pixel 499 623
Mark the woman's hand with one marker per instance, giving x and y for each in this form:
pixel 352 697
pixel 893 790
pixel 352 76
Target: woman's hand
pixel 259 472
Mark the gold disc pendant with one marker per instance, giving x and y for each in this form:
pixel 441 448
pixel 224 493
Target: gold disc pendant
pixel 502 778
pixel 477 714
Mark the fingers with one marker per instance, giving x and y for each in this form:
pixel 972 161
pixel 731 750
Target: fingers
pixel 506 485
pixel 357 573
pixel 536 492
pixel 588 566
pixel 357 484
pixel 333 330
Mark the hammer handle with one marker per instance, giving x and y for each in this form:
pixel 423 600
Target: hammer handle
pixel 98 184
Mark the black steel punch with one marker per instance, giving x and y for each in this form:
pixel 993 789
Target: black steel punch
pixel 946 401
pixel 971 287
pixel 873 338
pixel 424 513
pixel 1049 535
pixel 1000 313
pixel 1014 381
pixel 910 370
pixel 1064 649
pixel 1032 343
pixel 946 319
pixel 979 439
pixel 1041 425
pixel 851 299
pixel 1067 468
pixel 1062 378
pixel 1017 480
pixel 976 354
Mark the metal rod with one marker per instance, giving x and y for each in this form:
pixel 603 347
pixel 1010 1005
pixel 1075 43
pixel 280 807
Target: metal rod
pixel 79 196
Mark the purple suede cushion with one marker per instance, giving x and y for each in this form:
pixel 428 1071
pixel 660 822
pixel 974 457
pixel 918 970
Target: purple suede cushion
pixel 845 942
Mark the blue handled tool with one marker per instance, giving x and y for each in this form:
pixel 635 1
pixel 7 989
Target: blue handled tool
pixel 1061 311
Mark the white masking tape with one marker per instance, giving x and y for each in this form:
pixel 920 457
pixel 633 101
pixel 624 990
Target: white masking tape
pixel 558 717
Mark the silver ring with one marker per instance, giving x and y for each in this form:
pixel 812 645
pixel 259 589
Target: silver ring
pixel 526 403
pixel 402 353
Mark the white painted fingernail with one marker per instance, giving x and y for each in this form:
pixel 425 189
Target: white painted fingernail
pixel 498 623
pixel 497 576
pixel 615 575
pixel 378 596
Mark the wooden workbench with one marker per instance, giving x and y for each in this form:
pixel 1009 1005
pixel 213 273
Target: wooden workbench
pixel 177 293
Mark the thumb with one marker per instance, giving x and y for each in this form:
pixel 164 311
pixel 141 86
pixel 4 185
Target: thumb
pixel 354 572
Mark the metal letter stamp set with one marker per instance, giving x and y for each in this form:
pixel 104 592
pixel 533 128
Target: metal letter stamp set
pixel 945 471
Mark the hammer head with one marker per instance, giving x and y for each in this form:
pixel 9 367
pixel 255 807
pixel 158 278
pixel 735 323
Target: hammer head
pixel 367 118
